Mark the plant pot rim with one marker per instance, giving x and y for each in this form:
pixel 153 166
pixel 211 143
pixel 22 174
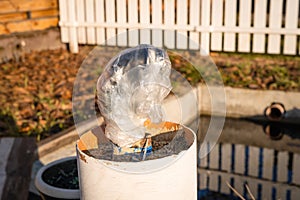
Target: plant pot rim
pixel 52 191
pixel 142 167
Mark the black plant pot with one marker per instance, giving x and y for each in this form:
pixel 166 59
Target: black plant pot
pixel 59 180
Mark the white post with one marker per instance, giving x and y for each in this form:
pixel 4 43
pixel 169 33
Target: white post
pixel 172 177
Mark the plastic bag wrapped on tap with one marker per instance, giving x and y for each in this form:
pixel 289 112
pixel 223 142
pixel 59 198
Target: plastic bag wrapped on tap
pixel 131 90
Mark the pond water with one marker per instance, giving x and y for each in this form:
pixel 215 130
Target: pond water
pixel 263 157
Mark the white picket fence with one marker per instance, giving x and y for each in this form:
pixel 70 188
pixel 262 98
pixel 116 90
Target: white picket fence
pixel 258 26
pixel 267 172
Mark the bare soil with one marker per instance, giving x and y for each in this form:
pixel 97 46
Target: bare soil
pixel 36 91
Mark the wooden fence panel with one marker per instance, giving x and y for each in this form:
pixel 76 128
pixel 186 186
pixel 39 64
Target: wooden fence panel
pixel 214 179
pixel 239 163
pixel 90 18
pixel 157 39
pixel 253 163
pixel 110 18
pixel 282 166
pixel 230 22
pixel 121 19
pixel 194 21
pixel 205 22
pixel 226 157
pixel 145 19
pixel 217 20
pixel 214 157
pixel 275 23
pixel 291 22
pixel 219 25
pixel 260 17
pixel 224 187
pixel 64 17
pixel 169 18
pixel 295 194
pixel 213 182
pixel 203 181
pixel 266 192
pixel 81 31
pixel 296 169
pixel 72 30
pixel 268 161
pixel 244 22
pixel 100 31
pixel 239 185
pixel 281 192
pixel 133 19
pixel 181 39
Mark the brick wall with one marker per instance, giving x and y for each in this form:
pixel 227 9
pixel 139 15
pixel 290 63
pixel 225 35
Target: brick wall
pixel 27 15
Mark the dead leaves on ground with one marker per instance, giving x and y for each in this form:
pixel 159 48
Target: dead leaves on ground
pixel 37 92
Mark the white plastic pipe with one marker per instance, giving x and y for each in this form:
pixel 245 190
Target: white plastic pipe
pixel 173 177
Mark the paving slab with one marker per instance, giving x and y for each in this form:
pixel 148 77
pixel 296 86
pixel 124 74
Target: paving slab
pixel 17 157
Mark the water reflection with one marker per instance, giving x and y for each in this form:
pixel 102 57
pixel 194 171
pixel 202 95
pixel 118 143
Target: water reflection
pixel 246 155
pixel 275 130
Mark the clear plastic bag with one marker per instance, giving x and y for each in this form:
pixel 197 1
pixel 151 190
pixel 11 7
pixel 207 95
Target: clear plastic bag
pixel 131 90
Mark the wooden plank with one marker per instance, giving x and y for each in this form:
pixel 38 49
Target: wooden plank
pixel 268 161
pixel 281 192
pixel 275 23
pixel 169 16
pixel 3 29
pixel 63 13
pixel 181 39
pixel 253 163
pixel 90 18
pixel 204 160
pixel 121 19
pixel 266 192
pixel 230 22
pixel 267 185
pixel 5 148
pixel 296 171
pixel 44 13
pixel 225 178
pixel 73 43
pixel 239 184
pixel 157 20
pixel 260 15
pixel 133 19
pixel 295 194
pixel 194 20
pixel 6 7
pixel 214 157
pixel 239 164
pixel 203 181
pixel 13 17
pixel 217 21
pixel 244 22
pixel 282 166
pixel 110 18
pixel 291 22
pixel 100 31
pixel 253 186
pixel 205 22
pixel 145 12
pixel 226 157
pixel 31 25
pixel 81 31
pixel 18 168
pixel 10 6
pixel 213 182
